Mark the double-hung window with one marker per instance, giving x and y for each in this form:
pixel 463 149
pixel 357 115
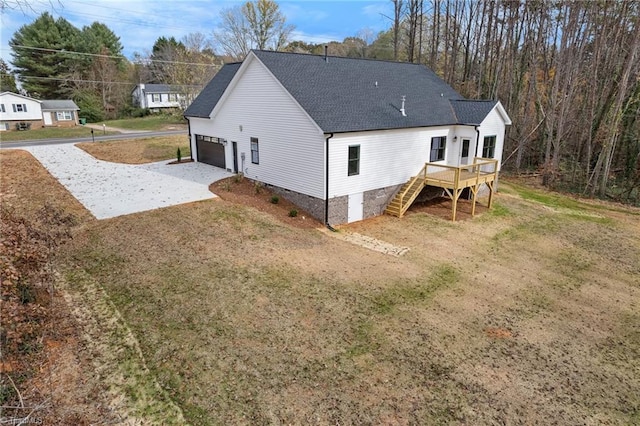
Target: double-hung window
pixel 19 107
pixel 2 108
pixel 173 97
pixel 156 97
pixel 64 115
pixel 255 152
pixel 438 146
pixel 354 161
pixel 489 147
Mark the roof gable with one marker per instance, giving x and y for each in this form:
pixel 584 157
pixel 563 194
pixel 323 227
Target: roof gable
pixel 349 94
pixel 203 104
pixel 19 96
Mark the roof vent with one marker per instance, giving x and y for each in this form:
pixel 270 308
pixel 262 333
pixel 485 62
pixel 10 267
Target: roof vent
pixel 404 114
pixel 326 50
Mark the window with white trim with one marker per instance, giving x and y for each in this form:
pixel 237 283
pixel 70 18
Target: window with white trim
pixel 489 147
pixel 438 147
pixel 64 115
pixel 173 97
pixel 156 97
pixel 2 108
pixel 354 161
pixel 255 153
pixel 19 107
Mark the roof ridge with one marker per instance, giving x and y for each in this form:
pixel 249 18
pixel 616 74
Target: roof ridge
pixel 389 61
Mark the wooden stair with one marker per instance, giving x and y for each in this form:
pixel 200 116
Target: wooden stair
pixel 406 195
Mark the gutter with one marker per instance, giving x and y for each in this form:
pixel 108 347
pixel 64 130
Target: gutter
pixel 189 128
pixel 326 197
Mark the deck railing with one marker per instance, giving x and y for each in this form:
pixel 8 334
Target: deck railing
pixel 453 179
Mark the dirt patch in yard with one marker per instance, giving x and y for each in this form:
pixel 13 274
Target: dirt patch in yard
pixel 140 150
pixel 247 192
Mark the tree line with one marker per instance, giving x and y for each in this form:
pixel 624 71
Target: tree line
pixel 567 72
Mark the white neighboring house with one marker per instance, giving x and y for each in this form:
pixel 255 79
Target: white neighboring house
pixel 19 112
pixel 158 97
pixel 340 137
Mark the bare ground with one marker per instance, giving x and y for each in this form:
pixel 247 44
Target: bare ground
pixel 138 151
pixel 526 314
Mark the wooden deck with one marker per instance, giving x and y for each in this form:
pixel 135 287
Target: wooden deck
pixel 453 179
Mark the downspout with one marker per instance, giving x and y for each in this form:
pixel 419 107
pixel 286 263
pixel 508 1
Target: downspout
pixel 326 196
pixel 477 140
pixel 189 128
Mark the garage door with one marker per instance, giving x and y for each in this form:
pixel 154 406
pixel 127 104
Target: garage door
pixel 210 151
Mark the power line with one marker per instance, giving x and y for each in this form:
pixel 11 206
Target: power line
pixel 74 80
pixel 64 51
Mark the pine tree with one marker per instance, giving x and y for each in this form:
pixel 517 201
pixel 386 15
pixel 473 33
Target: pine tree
pixel 37 57
pixel 7 79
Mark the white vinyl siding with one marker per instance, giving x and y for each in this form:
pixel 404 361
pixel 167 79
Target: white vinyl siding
pixel 387 158
pixel 17 107
pixel 493 125
pixel 291 145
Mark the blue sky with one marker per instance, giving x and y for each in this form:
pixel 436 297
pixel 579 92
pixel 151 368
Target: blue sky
pixel 139 23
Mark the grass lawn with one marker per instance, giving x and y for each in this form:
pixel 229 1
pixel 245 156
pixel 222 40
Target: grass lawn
pixel 529 313
pixel 139 151
pixel 49 133
pixel 151 122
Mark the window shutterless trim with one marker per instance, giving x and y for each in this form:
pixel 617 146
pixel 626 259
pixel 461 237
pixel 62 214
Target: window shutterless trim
pixel 438 148
pixel 255 151
pixel 353 167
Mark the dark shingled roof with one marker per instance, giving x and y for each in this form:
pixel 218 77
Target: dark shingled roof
pixel 160 88
pixel 349 94
pixel 472 112
pixel 204 103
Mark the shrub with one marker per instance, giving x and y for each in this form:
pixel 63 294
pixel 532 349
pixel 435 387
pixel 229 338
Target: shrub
pixel 275 199
pixel 258 187
pixel 293 213
pixel 238 178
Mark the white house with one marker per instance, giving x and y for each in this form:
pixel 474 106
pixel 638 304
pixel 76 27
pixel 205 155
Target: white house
pixel 18 112
pixel 338 136
pixel 158 97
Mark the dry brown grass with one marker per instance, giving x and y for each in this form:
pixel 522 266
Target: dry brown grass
pixel 138 151
pixel 26 186
pixel 526 314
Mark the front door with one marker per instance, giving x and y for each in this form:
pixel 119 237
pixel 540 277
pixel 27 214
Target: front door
pixel 356 207
pixel 464 153
pixel 47 118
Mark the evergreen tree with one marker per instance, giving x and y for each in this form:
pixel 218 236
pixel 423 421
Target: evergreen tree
pixel 36 55
pixel 7 79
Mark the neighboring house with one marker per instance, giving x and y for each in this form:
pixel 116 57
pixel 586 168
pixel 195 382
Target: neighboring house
pixel 158 97
pixel 18 112
pixel 345 138
pixel 62 113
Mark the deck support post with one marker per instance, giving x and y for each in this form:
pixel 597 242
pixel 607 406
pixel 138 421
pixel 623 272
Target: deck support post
pixel 490 185
pixel 474 191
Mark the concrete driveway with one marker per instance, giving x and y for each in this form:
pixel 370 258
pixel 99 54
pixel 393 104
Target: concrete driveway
pixel 112 189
